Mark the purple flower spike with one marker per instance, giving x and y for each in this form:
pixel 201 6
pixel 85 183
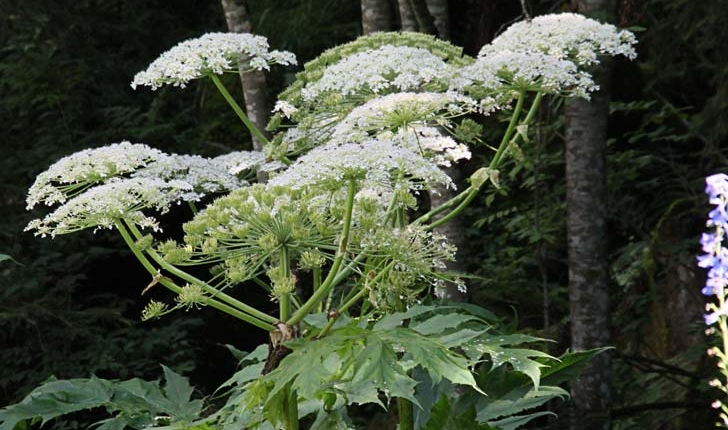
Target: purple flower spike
pixel 715 258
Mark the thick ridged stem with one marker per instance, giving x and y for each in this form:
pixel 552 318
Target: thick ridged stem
pixel 328 283
pixel 285 299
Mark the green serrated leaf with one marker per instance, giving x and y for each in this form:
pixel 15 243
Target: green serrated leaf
pixel 55 398
pixel 443 418
pixel 178 391
pixel 490 409
pixel 441 322
pixel 438 361
pixel 512 423
pixel 5 257
pixel 568 366
pixel 521 359
pixel 459 337
pixel 376 366
pixel 111 424
pixel 396 319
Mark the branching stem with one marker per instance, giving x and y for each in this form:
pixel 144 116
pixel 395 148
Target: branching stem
pixel 238 110
pixel 209 301
pixel 328 283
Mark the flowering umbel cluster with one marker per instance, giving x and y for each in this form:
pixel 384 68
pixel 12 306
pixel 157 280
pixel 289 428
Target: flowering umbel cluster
pixel 342 231
pixel 363 139
pixel 212 53
pixel 715 259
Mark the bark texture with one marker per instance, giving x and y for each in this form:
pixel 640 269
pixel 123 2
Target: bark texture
pixel 441 15
pixel 376 15
pixel 587 244
pixel 586 135
pixel 453 230
pixel 255 87
pixel 414 16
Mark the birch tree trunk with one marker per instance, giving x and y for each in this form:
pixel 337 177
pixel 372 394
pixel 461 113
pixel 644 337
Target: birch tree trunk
pixel 376 15
pixel 441 15
pixel 414 16
pixel 586 135
pixel 255 87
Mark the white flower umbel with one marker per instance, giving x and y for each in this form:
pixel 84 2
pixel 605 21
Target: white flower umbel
pixel 373 161
pixel 101 206
pixel 400 110
pixel 433 145
pixel 73 174
pixel 286 109
pixel 565 36
pixel 240 161
pixel 386 69
pixel 507 72
pixel 212 53
pixel 204 175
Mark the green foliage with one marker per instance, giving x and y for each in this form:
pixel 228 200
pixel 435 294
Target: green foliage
pixel 411 355
pixel 135 403
pixel 64 79
pixel 417 356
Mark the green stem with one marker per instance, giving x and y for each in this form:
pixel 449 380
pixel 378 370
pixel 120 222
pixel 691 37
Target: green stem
pixel 406 414
pixel 317 284
pixel 455 212
pixel 290 408
pixel 208 289
pixel 328 283
pixel 445 206
pixel 509 131
pixel 176 289
pixel 349 303
pixel 233 104
pixel 463 199
pixel 285 268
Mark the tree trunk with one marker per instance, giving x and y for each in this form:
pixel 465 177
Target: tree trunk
pixel 441 15
pixel 376 15
pixel 586 135
pixel 255 88
pixel 454 231
pixel 414 16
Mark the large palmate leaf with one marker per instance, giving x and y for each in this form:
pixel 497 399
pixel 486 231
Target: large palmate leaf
pixel 141 403
pixel 362 364
pixel 443 418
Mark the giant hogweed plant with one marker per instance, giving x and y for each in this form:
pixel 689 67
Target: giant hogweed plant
pixel 363 133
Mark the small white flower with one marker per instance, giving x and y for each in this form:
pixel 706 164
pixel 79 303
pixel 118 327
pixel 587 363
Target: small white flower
pixel 386 69
pixel 73 174
pixel 240 161
pixel 507 71
pixel 394 111
pixel 565 36
pixel 101 206
pixel 286 109
pixel 372 162
pixel 433 145
pixel 204 175
pixel 212 53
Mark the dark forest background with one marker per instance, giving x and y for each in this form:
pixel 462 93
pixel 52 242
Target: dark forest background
pixel 70 307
